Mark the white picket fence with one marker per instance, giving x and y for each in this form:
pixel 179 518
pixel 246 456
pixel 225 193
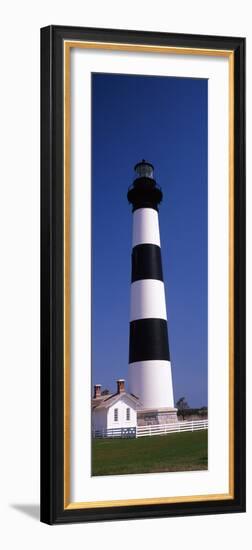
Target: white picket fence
pixel 126 433
pixel 161 429
pixel 155 429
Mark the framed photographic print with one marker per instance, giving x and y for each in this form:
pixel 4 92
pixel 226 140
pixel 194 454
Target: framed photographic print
pixel 142 274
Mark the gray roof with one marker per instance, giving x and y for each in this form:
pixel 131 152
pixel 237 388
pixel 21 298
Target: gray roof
pixel 97 400
pixel 111 399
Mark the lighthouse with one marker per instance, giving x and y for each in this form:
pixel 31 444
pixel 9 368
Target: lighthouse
pixel 150 376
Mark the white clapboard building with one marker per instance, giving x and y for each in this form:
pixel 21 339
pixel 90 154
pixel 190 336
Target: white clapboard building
pixel 117 411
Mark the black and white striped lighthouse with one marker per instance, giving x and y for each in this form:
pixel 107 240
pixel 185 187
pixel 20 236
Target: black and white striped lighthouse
pixel 150 376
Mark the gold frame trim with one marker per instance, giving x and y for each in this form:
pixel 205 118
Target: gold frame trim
pixel 68 45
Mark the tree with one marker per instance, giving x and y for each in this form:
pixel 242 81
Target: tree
pixel 182 405
pixel 203 411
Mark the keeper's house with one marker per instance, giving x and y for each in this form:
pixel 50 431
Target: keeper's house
pixel 114 411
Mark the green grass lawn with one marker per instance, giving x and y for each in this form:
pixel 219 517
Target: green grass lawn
pixel 164 453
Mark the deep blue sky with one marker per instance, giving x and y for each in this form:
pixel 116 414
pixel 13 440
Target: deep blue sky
pixel 163 120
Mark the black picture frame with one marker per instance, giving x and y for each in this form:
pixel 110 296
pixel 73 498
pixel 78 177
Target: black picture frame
pixel 52 276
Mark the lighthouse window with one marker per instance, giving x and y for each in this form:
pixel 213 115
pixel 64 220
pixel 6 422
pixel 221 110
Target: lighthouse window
pixel 115 415
pixel 144 170
pixel 128 413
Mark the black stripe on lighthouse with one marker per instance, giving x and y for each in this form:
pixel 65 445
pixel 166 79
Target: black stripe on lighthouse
pixel 146 262
pixel 148 340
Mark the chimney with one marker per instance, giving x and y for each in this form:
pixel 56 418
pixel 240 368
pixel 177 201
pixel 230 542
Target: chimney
pixel 97 390
pixel 120 385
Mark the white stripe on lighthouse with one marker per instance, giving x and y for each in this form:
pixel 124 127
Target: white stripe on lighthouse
pixel 151 381
pixel 147 300
pixel 145 227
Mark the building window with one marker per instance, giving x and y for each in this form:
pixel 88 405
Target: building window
pixel 116 415
pixel 128 413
